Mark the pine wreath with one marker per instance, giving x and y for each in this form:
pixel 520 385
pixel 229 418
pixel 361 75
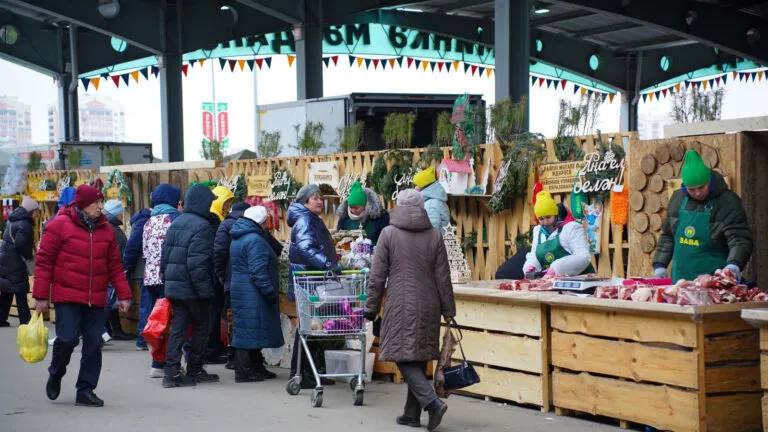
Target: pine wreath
pixel 124 191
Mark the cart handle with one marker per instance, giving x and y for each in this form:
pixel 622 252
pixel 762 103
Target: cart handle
pixel 327 273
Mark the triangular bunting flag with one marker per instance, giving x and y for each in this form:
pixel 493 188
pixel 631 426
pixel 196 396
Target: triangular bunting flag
pixel 489 72
pixel 664 92
pixel 677 88
pixel 717 80
pixel 533 80
pixel 375 63
pixel 741 76
pixel 126 78
pixel 656 95
pixel 687 85
pixel 645 96
pixel 105 76
pixel 753 75
pixel 725 79
pixel 241 63
pixel 351 60
pixel 480 71
pixel 650 97
pixel 392 63
pixel 439 66
pixel 367 63
pixel 201 61
pixel 704 84
pixel 335 60
pixel 259 62
pixel 95 82
pixel 232 64
pixel 549 83
pixel 184 69
pixel 610 97
pixel 759 75
pixel 291 59
pixel 575 88
pixel 603 96
pixel 268 61
pixel 135 76
pixel 590 93
pixel 86 82
pixel 474 69
pixel 541 81
pixel 144 73
pixel 222 63
pixel 711 83
pixel 408 61
pixel 326 61
pixel 433 64
pixel 192 63
pixel 700 83
pixel 250 64
pixel 116 80
pixel 734 73
pixel 359 61
pixel 466 67
pixel 583 91
pixel 384 63
pixel 424 65
pixel 456 65
pixel 400 62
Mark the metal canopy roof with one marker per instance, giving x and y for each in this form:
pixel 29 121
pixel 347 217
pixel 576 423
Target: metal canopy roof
pixel 629 37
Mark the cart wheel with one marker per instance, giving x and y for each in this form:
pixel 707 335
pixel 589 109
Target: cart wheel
pixel 353 383
pixel 358 399
pixel 294 386
pixel 317 398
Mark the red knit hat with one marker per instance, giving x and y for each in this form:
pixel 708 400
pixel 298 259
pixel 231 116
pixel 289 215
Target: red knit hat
pixel 86 195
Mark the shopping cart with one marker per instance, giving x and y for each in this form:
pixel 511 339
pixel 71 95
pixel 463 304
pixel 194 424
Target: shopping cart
pixel 330 306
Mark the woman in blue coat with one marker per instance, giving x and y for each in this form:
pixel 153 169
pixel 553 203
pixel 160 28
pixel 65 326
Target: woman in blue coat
pixel 254 294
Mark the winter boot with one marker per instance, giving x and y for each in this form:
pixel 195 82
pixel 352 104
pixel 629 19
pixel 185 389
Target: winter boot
pixel 411 412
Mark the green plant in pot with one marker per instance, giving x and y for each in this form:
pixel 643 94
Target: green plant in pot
pixel 74 155
pixel 351 137
pixel 398 130
pixel 269 144
pixel 309 140
pixel 212 150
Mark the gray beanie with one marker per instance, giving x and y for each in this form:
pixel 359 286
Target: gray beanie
pixel 410 197
pixel 306 192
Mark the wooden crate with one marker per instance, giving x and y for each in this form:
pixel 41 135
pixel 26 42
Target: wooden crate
pixel 759 318
pixel 506 338
pixel 678 368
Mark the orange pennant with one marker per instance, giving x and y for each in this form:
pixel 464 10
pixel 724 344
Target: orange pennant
pixel 488 72
pixel 135 76
pixel 391 62
pixel 241 63
pixel 456 65
pixel 95 82
pixel 677 88
pixel 201 61
pixel 583 91
pixel 291 59
pixel 704 84
pixel 611 96
pixel 650 97
pixel 424 65
pixel 359 61
pixel 760 75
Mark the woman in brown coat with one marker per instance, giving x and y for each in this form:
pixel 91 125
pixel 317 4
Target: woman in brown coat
pixel 410 268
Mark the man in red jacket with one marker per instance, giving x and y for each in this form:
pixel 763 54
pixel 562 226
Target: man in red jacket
pixel 78 257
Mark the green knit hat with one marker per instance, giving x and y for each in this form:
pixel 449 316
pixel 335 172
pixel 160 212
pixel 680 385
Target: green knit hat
pixel 357 196
pixel 695 172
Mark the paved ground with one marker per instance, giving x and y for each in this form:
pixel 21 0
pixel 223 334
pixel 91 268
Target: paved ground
pixel 137 403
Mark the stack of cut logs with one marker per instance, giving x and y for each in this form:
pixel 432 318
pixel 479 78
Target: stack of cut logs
pixel 650 191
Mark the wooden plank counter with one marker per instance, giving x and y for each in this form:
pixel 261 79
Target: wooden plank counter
pixel 506 338
pixel 679 368
pixel 759 319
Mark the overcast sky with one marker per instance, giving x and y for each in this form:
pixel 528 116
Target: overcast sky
pixel 278 84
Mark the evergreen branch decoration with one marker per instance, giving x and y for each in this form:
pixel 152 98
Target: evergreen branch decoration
pixel 269 144
pixel 351 137
pixel 398 130
pixel 383 179
pixel 525 152
pixel 125 190
pixel 445 129
pixel 429 156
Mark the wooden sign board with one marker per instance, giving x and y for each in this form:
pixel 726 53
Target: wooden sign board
pixel 324 173
pixel 560 177
pixel 259 185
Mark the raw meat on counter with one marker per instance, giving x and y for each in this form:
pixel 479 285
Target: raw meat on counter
pixel 544 284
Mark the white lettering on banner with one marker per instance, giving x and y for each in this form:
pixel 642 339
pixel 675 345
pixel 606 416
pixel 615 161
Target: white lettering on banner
pixel 594 164
pixel 405 179
pixel 282 182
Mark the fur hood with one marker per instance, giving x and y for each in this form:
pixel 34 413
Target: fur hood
pixel 375 210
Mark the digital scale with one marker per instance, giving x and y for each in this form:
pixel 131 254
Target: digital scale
pixel 581 284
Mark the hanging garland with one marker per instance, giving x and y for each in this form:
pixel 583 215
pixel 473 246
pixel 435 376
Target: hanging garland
pixel 124 192
pixel 526 151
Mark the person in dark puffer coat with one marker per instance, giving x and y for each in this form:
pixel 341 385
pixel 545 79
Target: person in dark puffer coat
pixel 187 268
pixel 17 247
pixel 133 261
pixel 254 291
pixel 77 258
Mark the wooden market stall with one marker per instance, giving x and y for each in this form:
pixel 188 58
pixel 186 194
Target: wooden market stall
pixel 759 319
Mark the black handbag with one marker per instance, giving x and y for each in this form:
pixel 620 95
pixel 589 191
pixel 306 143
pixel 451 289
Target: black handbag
pixel 462 375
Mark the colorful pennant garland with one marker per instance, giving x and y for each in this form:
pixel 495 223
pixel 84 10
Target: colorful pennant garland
pixel 704 84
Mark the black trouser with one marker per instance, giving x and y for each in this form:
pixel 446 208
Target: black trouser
pixel 248 361
pixel 215 312
pixel 420 390
pixel 6 299
pixel 186 313
pixel 72 321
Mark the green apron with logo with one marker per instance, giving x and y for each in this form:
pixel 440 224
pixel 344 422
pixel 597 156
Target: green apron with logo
pixel 548 251
pixel 695 253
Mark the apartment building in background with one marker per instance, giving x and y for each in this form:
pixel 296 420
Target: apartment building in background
pixel 101 119
pixel 15 124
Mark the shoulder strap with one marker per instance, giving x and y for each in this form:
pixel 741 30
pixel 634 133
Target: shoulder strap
pixel 452 325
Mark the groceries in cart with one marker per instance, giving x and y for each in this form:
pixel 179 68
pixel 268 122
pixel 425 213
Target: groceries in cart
pixel 360 255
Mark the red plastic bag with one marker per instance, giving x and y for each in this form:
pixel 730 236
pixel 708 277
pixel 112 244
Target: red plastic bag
pixel 158 326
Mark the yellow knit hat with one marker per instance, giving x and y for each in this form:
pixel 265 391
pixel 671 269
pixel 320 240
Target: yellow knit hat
pixel 545 205
pixel 425 177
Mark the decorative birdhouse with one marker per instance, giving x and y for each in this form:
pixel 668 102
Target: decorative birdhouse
pixel 456 176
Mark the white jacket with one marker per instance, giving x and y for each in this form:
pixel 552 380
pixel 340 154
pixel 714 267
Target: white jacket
pixel 573 239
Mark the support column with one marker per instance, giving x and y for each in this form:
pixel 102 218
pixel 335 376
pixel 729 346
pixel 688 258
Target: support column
pixel 629 98
pixel 171 86
pixel 512 49
pixel 309 62
pixel 69 107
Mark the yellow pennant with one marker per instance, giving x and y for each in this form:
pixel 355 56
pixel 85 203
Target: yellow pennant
pixel 759 75
pixel 359 61
pixel 650 97
pixel 704 84
pixel 583 91
pixel 241 63
pixel 424 65
pixel 291 59
pixel 456 65
pixel 201 61
pixel 677 88
pixel 135 76
pixel 391 62
pixel 488 72
pixel 95 82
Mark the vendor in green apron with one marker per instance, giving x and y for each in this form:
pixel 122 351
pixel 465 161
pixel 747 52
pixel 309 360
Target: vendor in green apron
pixel 559 245
pixel 706 227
